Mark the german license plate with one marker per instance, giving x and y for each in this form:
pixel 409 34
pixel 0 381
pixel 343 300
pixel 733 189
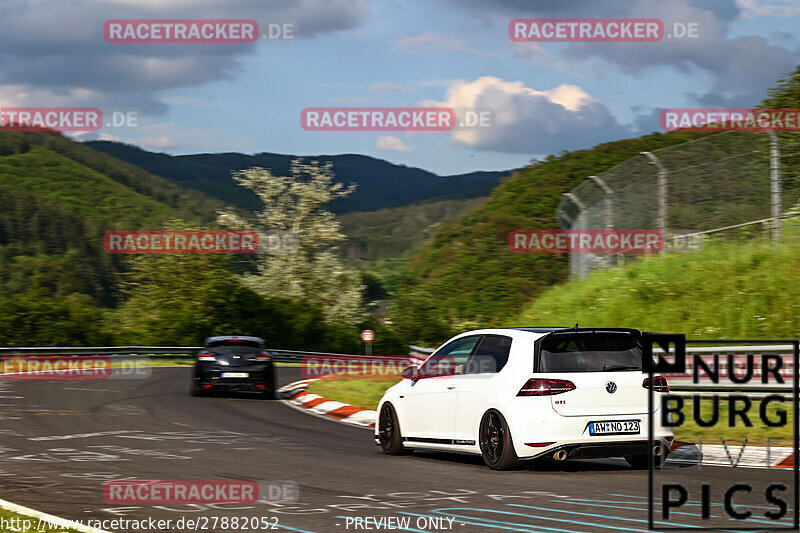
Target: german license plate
pixel 235 374
pixel 614 427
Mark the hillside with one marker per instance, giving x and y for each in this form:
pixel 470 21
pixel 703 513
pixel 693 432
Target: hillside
pixel 382 242
pixel 96 185
pixel 466 275
pixel 59 197
pixel 397 231
pixel 725 290
pixel 380 184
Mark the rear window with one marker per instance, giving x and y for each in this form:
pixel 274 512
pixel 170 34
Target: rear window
pixel 232 349
pixel 589 352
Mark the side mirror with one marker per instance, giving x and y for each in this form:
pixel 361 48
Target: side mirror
pixel 411 372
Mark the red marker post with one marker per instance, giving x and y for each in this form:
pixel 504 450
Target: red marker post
pixel 368 336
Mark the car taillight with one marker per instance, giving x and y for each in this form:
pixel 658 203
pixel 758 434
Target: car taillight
pixel 263 357
pixel 205 357
pixel 545 387
pixel 658 384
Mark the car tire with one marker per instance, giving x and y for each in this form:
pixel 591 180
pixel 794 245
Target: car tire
pixel 641 461
pixel 389 436
pixel 269 387
pixel 496 444
pixel 196 390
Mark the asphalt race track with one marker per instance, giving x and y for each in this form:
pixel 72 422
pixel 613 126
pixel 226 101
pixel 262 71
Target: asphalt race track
pixel 61 439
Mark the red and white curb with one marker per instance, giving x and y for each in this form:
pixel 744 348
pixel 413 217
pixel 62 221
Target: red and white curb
pixel 296 395
pixel 732 455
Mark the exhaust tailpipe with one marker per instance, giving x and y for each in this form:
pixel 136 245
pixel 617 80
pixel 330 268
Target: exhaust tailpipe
pixel 658 450
pixel 560 455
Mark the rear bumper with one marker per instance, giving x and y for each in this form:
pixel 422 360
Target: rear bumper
pixel 256 375
pixel 598 450
pixel 535 422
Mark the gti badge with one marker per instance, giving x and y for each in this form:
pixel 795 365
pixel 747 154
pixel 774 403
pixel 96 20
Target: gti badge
pixel 611 387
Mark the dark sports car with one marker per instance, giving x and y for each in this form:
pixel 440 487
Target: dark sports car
pixel 233 363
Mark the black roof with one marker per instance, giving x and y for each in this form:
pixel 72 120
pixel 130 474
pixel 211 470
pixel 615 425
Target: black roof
pixel 539 330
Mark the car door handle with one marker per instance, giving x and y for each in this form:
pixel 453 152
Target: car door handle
pixel 451 387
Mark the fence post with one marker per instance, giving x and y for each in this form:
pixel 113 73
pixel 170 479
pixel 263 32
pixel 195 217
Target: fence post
pixel 661 192
pixel 608 203
pixel 575 265
pixel 775 184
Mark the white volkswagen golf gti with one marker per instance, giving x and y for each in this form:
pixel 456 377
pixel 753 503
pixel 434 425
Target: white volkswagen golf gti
pixel 526 393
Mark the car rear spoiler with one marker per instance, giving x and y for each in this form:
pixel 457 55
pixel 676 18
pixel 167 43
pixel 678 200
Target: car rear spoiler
pixel 635 333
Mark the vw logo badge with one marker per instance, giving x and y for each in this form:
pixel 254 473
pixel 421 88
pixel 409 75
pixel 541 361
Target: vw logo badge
pixel 611 387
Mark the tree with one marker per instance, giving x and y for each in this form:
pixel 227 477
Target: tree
pixel 180 299
pixel 36 318
pixel 294 205
pixel 786 94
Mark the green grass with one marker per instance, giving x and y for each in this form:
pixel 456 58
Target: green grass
pixel 34 524
pixel 361 392
pixel 723 291
pixel 756 435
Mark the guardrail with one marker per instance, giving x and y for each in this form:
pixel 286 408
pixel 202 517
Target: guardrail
pixel 158 352
pixel 737 355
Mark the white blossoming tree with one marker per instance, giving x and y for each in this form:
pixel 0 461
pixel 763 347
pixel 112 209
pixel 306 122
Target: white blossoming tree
pixel 295 204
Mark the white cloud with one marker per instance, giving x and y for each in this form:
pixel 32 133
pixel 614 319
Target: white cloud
pixel 753 9
pixel 108 137
pixel 389 88
pixel 529 120
pixel 390 143
pixel 155 143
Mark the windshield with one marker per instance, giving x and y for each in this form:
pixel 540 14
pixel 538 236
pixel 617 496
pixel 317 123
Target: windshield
pixel 589 352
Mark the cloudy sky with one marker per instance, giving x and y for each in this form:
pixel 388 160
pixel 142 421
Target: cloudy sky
pixel 544 97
